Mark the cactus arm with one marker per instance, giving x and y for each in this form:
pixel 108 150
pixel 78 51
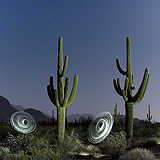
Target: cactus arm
pixel 132 87
pixel 149 117
pixel 52 86
pixel 140 94
pixel 50 90
pixel 132 78
pixel 60 90
pixel 115 114
pixel 66 89
pixel 118 115
pixel 118 84
pixel 56 98
pixel 118 90
pixel 73 92
pixel 126 86
pixel 65 66
pixel 119 68
pixel 124 95
pixel 124 91
pixel 121 92
pixel 51 96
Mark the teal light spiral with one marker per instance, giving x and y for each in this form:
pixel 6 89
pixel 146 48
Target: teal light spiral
pixel 100 127
pixel 23 122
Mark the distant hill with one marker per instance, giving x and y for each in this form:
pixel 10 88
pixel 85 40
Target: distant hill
pixel 38 115
pixel 21 108
pixel 6 110
pixel 72 117
pixel 122 119
pixel 18 107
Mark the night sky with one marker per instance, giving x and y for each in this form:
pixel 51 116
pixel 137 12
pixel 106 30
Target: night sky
pixel 94 34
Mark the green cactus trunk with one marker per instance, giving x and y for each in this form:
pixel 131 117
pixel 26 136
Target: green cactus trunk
pixel 129 119
pixel 53 120
pixel 66 116
pixel 126 93
pixel 61 123
pixel 149 115
pixel 115 115
pixel 59 96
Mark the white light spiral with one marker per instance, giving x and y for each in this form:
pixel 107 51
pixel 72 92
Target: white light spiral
pixel 100 127
pixel 23 122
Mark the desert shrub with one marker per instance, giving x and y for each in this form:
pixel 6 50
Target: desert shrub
pixel 11 142
pixel 4 151
pixel 40 148
pixel 145 142
pixel 5 129
pixel 157 132
pixel 138 154
pixel 151 142
pixel 93 150
pixel 85 120
pixel 120 126
pixel 81 130
pixel 73 144
pixel 146 129
pixel 137 143
pixel 50 130
pixel 137 133
pixel 115 144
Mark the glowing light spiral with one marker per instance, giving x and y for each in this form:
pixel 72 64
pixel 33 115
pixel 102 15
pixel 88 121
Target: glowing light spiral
pixel 100 127
pixel 23 122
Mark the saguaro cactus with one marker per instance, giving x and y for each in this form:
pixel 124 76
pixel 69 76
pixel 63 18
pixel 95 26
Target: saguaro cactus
pixel 115 114
pixel 66 116
pixel 59 96
pixel 53 120
pixel 127 94
pixel 148 115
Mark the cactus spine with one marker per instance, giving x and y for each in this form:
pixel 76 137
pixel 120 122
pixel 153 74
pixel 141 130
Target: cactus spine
pixel 115 114
pixel 59 96
pixel 148 115
pixel 127 94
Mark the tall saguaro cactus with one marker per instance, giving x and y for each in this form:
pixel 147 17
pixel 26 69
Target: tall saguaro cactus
pixel 53 120
pixel 127 94
pixel 59 96
pixel 66 116
pixel 115 114
pixel 148 115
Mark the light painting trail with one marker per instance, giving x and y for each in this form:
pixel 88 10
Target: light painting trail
pixel 23 122
pixel 100 127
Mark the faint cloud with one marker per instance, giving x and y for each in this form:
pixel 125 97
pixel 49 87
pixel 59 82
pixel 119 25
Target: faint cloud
pixel 49 17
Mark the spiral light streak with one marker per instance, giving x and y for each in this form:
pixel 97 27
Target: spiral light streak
pixel 100 127
pixel 23 122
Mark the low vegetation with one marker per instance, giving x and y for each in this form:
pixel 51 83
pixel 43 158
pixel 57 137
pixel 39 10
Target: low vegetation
pixel 138 154
pixel 38 145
